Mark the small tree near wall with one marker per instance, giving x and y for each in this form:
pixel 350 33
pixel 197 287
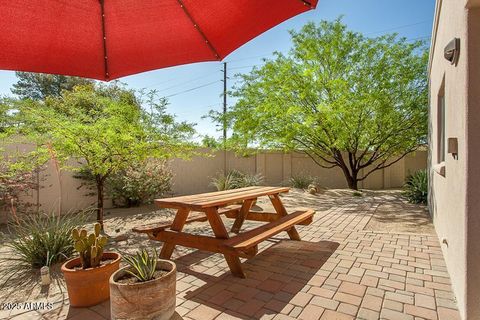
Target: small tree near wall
pixel 106 128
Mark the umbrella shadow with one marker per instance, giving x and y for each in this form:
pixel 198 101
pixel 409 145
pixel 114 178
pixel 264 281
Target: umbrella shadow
pixel 274 277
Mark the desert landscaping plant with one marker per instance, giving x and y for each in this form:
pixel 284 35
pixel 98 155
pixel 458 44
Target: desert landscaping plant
pixel 235 179
pixel 416 187
pixel 301 181
pixel 38 240
pixel 93 266
pixel 107 130
pixel 89 246
pixel 140 183
pixel 143 265
pixel 144 289
pixel 346 100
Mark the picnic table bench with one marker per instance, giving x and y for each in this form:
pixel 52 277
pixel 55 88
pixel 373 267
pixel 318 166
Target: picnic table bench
pixel 235 204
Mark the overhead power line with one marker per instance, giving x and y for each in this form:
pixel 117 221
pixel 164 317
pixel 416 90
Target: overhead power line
pixel 206 75
pixel 398 27
pixel 192 89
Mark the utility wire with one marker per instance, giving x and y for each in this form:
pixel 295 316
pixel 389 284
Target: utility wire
pixel 398 27
pixel 243 67
pixel 192 89
pixel 184 82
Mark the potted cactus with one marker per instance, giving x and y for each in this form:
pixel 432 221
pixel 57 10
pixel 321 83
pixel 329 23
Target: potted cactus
pixel 144 289
pixel 87 275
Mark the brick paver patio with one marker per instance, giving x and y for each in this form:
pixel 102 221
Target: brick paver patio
pixel 340 270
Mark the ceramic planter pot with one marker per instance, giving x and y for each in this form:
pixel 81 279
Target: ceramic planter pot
pixel 88 287
pixel 154 299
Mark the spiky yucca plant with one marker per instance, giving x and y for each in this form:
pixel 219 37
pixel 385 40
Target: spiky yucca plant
pixel 43 239
pixel 235 179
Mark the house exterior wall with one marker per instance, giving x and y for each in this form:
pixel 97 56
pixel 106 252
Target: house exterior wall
pixel 454 194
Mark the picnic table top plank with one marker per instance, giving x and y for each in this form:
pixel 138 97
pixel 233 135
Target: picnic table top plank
pixel 213 199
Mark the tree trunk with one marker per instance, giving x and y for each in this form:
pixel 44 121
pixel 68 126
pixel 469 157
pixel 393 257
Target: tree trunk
pixel 99 181
pixel 352 182
pixel 352 178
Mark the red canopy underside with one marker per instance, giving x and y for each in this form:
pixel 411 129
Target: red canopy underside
pixel 67 37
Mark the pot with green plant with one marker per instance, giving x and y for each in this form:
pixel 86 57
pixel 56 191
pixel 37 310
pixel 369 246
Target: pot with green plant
pixel 87 275
pixel 145 289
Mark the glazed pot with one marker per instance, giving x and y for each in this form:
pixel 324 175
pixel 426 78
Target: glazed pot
pixel 88 287
pixel 154 299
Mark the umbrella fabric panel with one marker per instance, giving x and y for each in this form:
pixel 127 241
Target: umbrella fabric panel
pixel 150 34
pixel 230 24
pixel 60 36
pixel 71 38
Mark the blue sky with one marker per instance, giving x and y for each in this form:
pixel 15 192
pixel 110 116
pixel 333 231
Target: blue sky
pixel 195 89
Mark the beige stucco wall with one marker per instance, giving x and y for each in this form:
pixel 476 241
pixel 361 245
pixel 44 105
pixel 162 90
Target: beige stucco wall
pixel 455 197
pixel 194 176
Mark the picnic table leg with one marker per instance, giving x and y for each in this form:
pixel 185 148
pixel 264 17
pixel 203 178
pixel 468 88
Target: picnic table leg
pixel 220 232
pixel 280 209
pixel 242 215
pixel 177 225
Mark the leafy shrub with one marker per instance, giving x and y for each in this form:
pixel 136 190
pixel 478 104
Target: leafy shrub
pixel 416 187
pixel 141 183
pixel 18 176
pixel 301 181
pixel 235 179
pixel 42 239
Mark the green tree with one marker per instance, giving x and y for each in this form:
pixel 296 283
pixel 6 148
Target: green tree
pixel 38 86
pixel 211 142
pixel 343 99
pixel 106 128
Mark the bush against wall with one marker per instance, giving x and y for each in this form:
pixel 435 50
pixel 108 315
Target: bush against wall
pixel 301 181
pixel 416 187
pixel 235 179
pixel 140 184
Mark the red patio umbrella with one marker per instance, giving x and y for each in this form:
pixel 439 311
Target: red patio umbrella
pixel 108 39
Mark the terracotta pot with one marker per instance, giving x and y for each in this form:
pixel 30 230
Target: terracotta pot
pixel 88 287
pixel 154 299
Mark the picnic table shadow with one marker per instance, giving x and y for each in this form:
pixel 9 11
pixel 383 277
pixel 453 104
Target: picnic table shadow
pixel 274 277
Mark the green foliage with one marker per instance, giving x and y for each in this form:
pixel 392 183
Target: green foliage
pixel 40 240
pixel 38 86
pixel 211 142
pixel 140 183
pixel 20 160
pixel 235 179
pixel 416 187
pixel 301 181
pixel 142 265
pixel 89 246
pixel 107 129
pixel 341 98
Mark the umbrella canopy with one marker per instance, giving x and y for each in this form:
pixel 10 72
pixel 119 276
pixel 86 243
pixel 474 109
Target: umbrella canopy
pixel 108 39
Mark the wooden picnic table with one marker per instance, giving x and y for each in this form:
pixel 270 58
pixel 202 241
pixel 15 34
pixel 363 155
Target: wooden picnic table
pixel 235 204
